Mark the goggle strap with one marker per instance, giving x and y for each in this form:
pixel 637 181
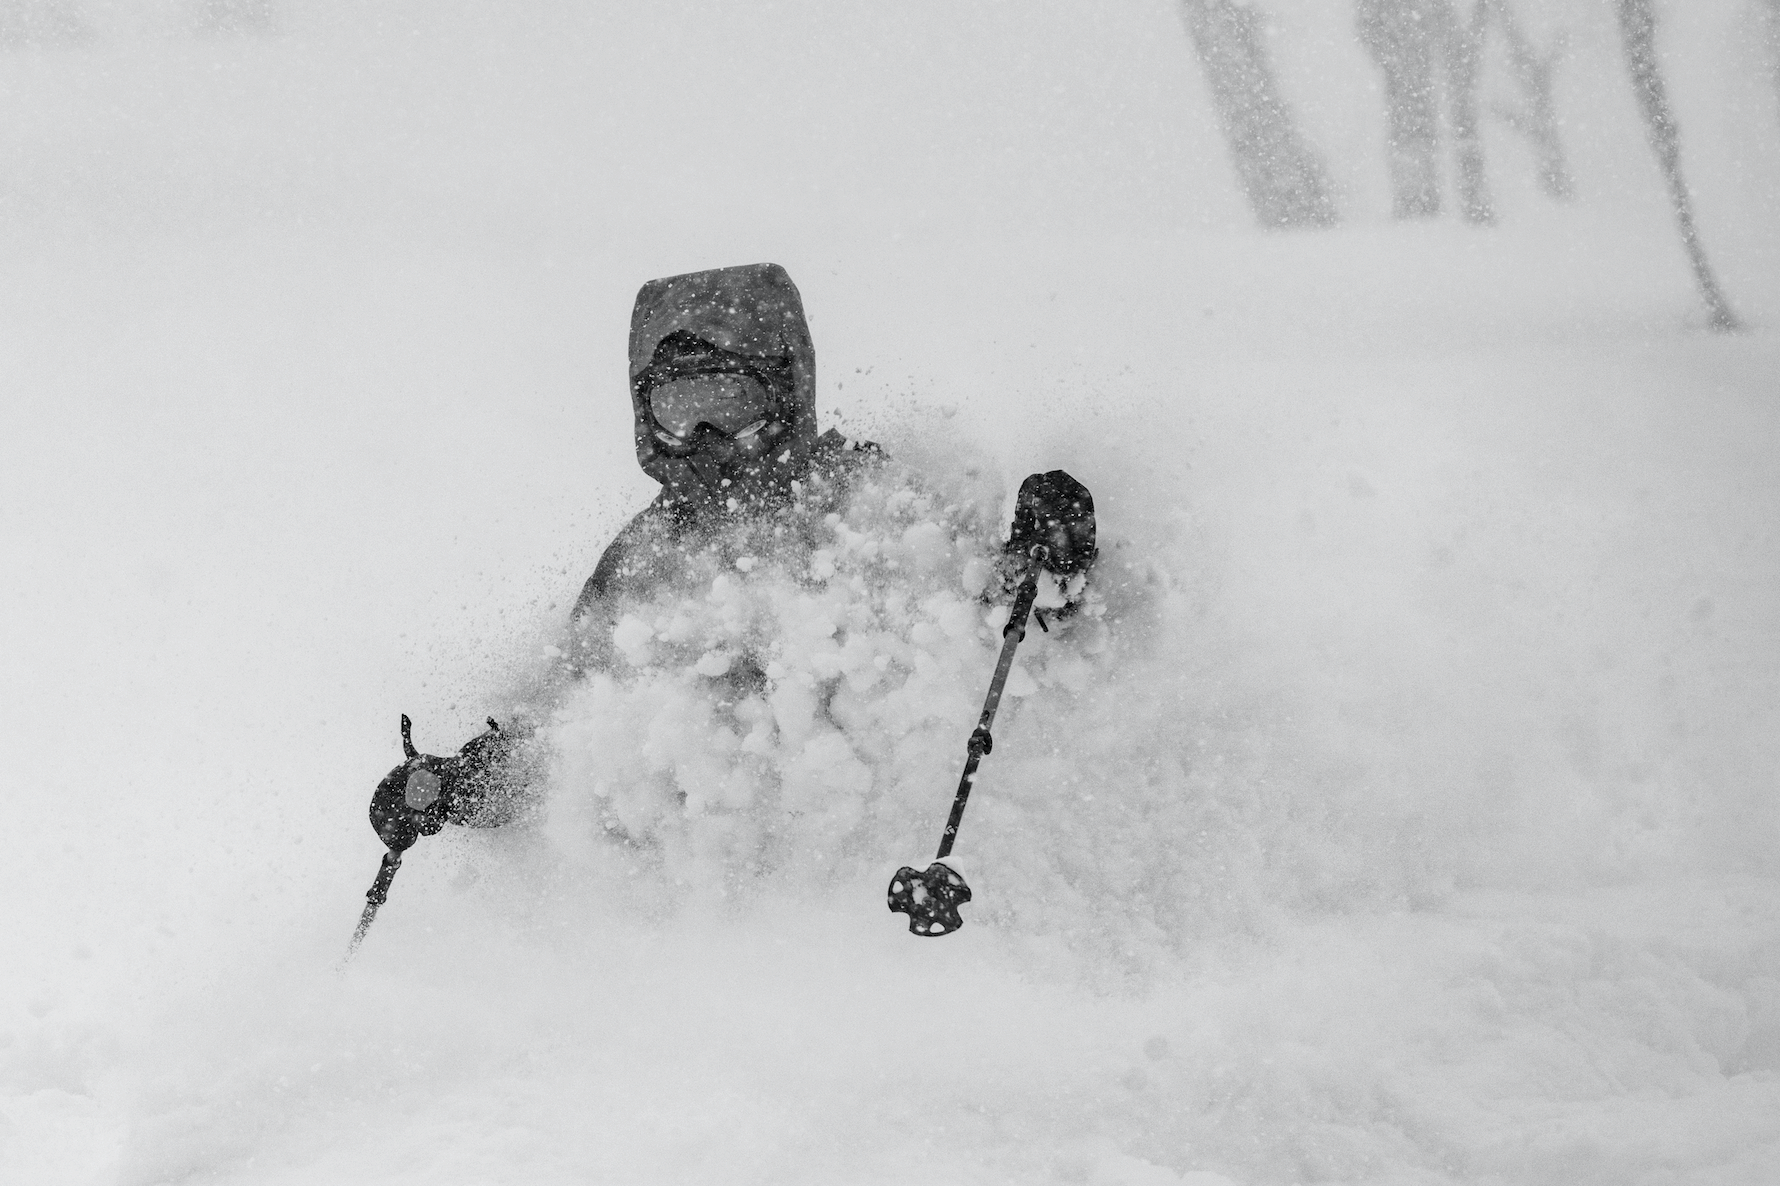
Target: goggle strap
pixel 689 356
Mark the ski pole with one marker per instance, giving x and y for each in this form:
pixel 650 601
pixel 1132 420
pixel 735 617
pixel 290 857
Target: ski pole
pixel 418 798
pixel 376 896
pixel 931 899
pixel 981 742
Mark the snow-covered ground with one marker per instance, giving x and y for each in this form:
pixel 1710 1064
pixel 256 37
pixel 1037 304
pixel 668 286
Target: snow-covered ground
pixel 1409 816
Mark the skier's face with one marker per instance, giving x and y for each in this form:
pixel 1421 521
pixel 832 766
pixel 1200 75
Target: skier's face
pixel 723 419
pixel 726 428
pixel 720 473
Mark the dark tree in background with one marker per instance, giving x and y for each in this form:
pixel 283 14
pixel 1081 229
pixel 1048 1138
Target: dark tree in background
pixel 1773 45
pixel 1464 58
pixel 1400 34
pixel 1423 47
pixel 1637 26
pixel 1280 175
pixel 1536 117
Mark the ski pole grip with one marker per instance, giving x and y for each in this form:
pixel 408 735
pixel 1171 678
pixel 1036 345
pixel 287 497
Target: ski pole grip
pixel 1054 523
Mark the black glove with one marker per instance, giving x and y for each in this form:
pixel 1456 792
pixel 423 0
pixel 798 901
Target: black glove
pixel 1054 524
pixel 426 792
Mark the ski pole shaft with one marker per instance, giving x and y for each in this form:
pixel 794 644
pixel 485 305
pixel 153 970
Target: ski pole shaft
pixel 981 741
pixel 376 896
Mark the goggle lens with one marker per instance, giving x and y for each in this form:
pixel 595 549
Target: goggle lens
pixel 735 405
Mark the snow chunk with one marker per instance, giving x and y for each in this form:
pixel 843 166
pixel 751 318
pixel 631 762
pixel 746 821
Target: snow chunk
pixel 807 718
pixel 928 545
pixel 632 637
pixel 974 577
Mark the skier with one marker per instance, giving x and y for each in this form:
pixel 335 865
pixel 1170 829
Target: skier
pixel 722 388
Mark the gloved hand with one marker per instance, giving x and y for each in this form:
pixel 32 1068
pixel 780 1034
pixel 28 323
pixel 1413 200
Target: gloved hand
pixel 426 792
pixel 1054 524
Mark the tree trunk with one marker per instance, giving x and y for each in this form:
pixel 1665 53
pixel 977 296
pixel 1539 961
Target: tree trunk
pixel 1279 173
pixel 1773 40
pixel 1464 55
pixel 1536 118
pixel 1637 26
pixel 1404 37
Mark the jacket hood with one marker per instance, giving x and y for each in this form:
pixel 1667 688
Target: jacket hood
pixel 753 310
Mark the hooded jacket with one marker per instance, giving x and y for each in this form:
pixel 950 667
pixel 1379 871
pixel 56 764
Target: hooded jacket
pixel 753 312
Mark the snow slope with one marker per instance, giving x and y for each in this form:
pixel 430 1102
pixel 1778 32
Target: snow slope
pixel 1408 816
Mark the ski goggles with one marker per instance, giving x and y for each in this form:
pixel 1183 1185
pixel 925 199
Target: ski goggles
pixel 695 391
pixel 737 406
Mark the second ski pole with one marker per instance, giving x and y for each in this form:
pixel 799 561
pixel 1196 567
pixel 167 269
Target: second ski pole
pixel 1053 531
pixel 931 898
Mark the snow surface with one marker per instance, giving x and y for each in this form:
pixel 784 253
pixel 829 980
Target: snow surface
pixel 1407 815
